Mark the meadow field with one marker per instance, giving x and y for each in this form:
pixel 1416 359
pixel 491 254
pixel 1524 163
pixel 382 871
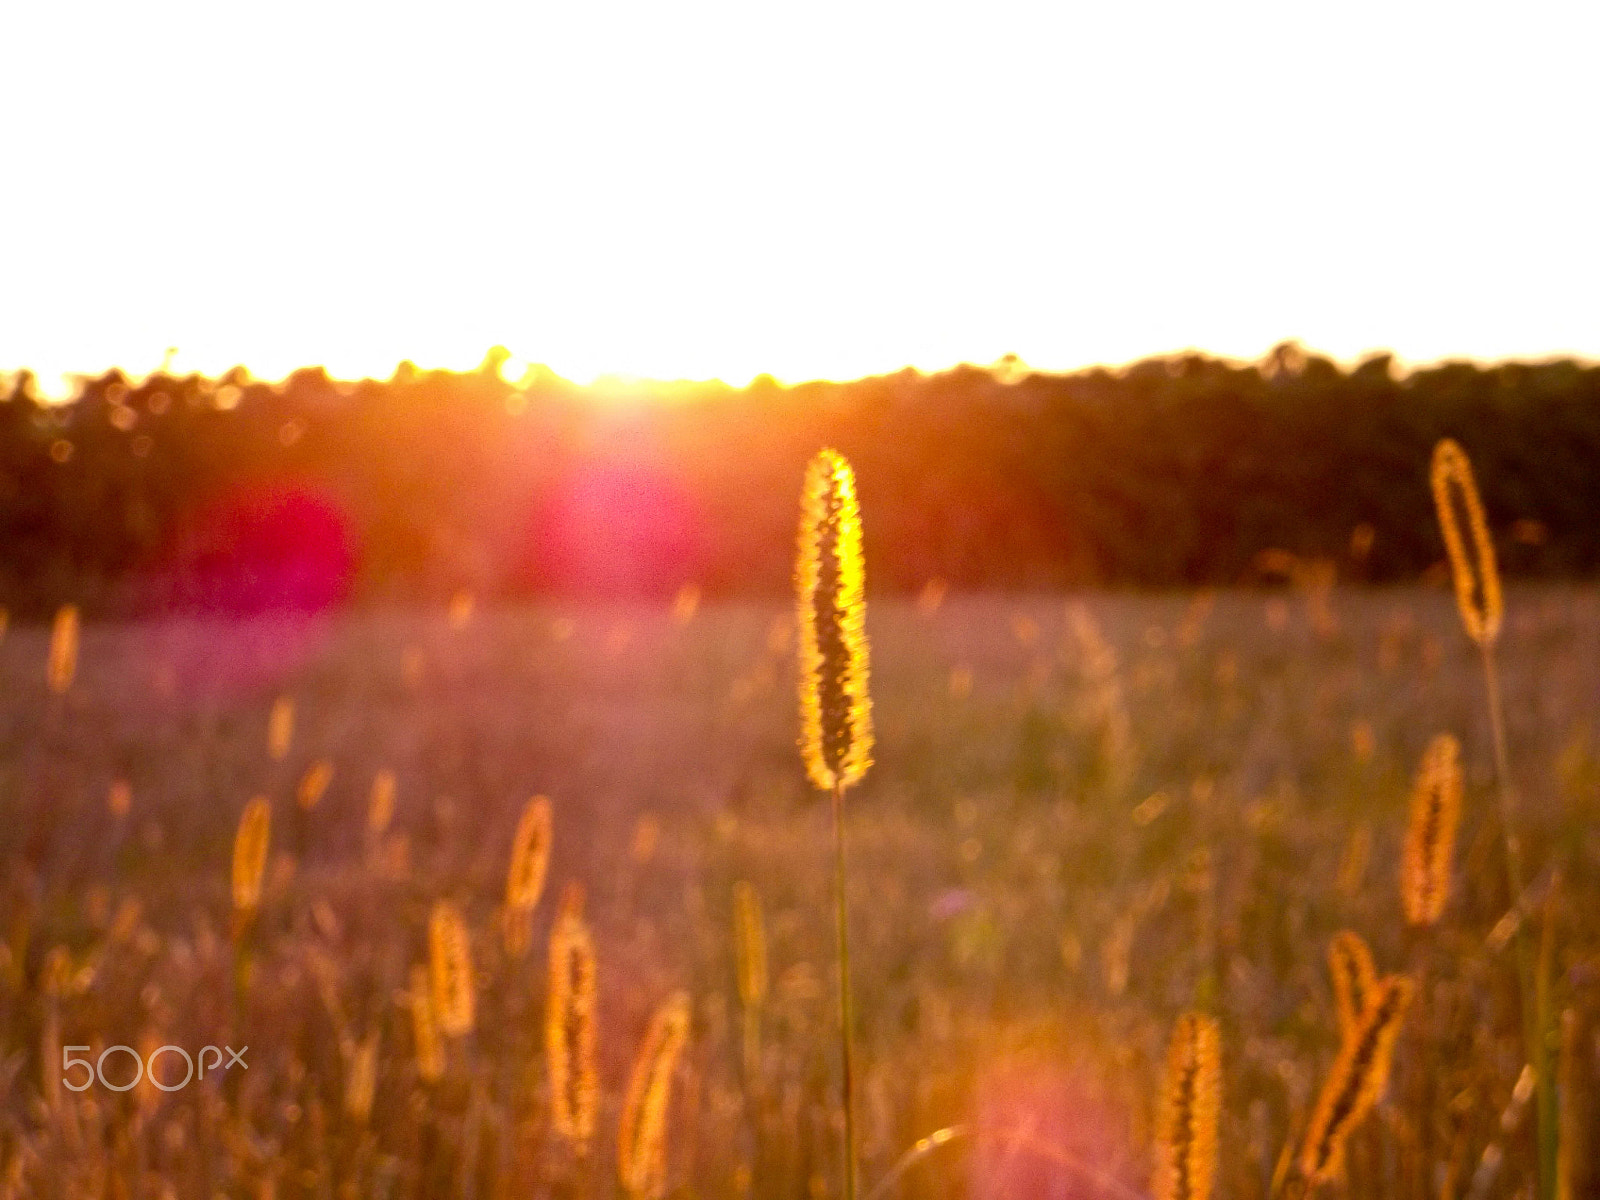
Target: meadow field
pixel 1087 814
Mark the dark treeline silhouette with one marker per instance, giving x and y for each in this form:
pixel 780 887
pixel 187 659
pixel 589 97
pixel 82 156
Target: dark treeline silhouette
pixel 237 496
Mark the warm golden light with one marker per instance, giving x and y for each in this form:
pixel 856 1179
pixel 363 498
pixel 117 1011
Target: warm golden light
pixel 708 189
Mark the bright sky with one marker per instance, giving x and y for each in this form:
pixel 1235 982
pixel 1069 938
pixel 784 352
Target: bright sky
pixel 688 189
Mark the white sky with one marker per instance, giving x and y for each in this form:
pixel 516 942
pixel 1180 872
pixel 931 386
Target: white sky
pixel 686 189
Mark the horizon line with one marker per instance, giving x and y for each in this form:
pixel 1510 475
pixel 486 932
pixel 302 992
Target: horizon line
pixel 521 373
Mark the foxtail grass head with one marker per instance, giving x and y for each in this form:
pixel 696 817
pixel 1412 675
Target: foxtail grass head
pixel 1191 1104
pixel 1431 833
pixel 571 1040
pixel 1476 575
pixel 280 728
pixel 1355 1083
pixel 642 1143
pixel 313 784
pixel 835 708
pixel 361 1079
pixel 250 855
pixel 425 1028
pixel 63 664
pixel 530 859
pixel 450 970
pixel 1355 979
pixel 380 802
pixel 530 856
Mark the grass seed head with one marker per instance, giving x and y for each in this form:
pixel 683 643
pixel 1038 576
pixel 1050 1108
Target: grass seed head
pixel 1431 833
pixel 1355 980
pixel 530 856
pixel 250 854
pixel 63 649
pixel 642 1142
pixel 450 969
pixel 361 1080
pixel 1191 1103
pixel 835 708
pixel 313 784
pixel 425 1028
pixel 1356 1081
pixel 380 804
pixel 571 1040
pixel 280 728
pixel 1476 576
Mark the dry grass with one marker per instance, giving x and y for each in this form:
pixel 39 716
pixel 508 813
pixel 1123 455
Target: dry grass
pixel 1042 881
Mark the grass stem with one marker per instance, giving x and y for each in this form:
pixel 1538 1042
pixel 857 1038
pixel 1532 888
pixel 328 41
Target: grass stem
pixel 846 1015
pixel 1533 976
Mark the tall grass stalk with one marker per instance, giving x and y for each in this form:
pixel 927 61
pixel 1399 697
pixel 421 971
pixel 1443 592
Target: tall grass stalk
pixel 1534 990
pixel 835 706
pixel 750 946
pixel 1481 605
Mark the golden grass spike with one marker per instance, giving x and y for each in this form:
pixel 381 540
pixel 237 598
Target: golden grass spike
pixel 1356 1081
pixel 750 944
pixel 1355 980
pixel 313 784
pixel 361 1079
pixel 642 1143
pixel 530 859
pixel 1191 1104
pixel 530 856
pixel 569 1029
pixel 280 728
pixel 380 803
pixel 250 854
pixel 1431 834
pixel 835 708
pixel 1477 579
pixel 425 1029
pixel 450 969
pixel 63 649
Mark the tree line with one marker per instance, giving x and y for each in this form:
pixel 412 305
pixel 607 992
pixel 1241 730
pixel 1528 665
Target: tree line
pixel 227 494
